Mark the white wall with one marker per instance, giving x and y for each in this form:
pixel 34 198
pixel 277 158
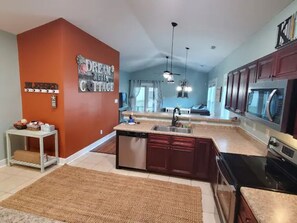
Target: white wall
pixel 260 44
pixel 10 95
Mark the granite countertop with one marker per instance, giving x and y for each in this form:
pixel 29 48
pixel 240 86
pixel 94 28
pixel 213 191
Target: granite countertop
pixel 271 207
pixel 228 139
pixel 182 117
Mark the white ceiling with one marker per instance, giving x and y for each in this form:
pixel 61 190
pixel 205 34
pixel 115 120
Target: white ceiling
pixel 141 29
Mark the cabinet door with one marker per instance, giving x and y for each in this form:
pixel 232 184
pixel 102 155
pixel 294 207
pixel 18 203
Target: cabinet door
pixel 252 68
pixel 229 91
pixel 266 67
pixel 242 93
pixel 235 90
pixel 181 160
pixel 286 62
pixel 202 158
pixel 157 158
pixel 245 213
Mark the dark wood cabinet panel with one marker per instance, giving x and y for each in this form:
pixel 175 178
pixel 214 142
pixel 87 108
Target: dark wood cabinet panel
pixel 286 62
pixel 245 214
pixel 295 128
pixel 159 139
pixel 157 158
pixel 213 170
pixel 181 160
pixel 242 91
pixel 229 91
pixel 252 68
pixel 202 158
pixel 266 67
pixel 235 90
pixel 183 141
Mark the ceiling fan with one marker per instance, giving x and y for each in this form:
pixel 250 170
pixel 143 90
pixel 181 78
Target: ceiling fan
pixel 166 73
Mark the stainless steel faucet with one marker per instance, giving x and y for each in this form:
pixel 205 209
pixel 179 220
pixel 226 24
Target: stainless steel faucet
pixel 175 118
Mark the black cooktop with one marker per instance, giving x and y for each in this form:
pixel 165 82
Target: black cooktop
pixel 261 172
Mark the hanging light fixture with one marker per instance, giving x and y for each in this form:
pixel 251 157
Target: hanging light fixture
pixel 170 78
pixel 166 73
pixel 184 88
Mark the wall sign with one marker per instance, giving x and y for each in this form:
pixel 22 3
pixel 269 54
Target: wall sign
pixel 287 31
pixel 94 76
pixel 38 87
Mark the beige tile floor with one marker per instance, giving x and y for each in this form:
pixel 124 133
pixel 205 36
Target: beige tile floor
pixel 15 178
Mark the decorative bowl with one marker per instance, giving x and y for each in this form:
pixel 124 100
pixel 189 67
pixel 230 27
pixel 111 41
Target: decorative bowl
pixel 19 127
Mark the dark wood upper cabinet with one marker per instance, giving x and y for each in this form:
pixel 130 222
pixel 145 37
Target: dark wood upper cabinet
pixel 266 67
pixel 202 158
pixel 235 90
pixel 242 91
pixel 229 91
pixel 286 62
pixel 253 68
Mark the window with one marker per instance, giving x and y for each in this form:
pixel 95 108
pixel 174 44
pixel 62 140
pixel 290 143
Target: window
pixel 146 100
pixel 211 96
pixel 224 112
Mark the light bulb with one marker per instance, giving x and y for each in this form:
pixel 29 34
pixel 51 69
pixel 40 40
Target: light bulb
pixel 189 89
pixel 166 74
pixel 178 88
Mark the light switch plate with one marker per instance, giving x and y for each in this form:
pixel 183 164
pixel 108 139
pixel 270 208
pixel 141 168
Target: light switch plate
pixel 116 101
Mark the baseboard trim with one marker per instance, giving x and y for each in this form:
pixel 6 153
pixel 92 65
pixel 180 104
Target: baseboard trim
pixel 3 163
pixel 88 148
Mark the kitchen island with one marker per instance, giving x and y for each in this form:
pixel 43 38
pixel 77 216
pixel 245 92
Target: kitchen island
pixel 228 139
pixel 193 118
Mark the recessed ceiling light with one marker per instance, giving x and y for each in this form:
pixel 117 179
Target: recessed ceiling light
pixel 213 47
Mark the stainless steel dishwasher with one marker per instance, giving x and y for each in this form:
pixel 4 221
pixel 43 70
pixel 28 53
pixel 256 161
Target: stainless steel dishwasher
pixel 132 149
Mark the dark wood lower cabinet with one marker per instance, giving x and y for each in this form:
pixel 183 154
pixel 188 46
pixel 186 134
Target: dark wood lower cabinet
pixel 202 158
pixel 180 156
pixel 157 158
pixel 213 170
pixel 181 160
pixel 245 215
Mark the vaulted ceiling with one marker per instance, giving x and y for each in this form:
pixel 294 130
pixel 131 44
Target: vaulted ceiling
pixel 141 29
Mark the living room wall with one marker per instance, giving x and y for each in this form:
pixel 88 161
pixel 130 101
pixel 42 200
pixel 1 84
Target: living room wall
pixel 198 81
pixel 48 54
pixel 10 95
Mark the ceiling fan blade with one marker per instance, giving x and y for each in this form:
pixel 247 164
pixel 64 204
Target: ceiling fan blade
pixel 176 74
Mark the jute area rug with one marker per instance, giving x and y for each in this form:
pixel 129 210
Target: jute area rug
pixel 73 194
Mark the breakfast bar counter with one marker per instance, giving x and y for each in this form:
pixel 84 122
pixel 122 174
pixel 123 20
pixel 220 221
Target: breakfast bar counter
pixel 229 139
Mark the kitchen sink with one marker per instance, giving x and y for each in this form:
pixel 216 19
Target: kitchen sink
pixel 164 128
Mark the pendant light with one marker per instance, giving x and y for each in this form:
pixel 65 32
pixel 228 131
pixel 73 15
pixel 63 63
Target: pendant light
pixel 166 73
pixel 170 78
pixel 184 87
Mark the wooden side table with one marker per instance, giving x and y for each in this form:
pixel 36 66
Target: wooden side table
pixel 34 134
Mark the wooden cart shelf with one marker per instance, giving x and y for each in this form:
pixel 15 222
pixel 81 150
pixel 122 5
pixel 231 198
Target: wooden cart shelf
pixel 34 134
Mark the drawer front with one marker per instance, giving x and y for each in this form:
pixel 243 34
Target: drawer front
pixel 185 142
pixel 159 139
pixel 245 213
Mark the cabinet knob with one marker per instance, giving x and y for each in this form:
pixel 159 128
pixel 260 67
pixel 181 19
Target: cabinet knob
pixel 247 220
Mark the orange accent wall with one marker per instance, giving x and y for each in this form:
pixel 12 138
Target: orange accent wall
pixel 48 54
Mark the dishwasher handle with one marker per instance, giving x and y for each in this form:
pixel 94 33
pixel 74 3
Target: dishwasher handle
pixel 133 134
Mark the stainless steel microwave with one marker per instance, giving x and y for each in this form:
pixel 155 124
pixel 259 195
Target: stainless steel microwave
pixel 270 102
